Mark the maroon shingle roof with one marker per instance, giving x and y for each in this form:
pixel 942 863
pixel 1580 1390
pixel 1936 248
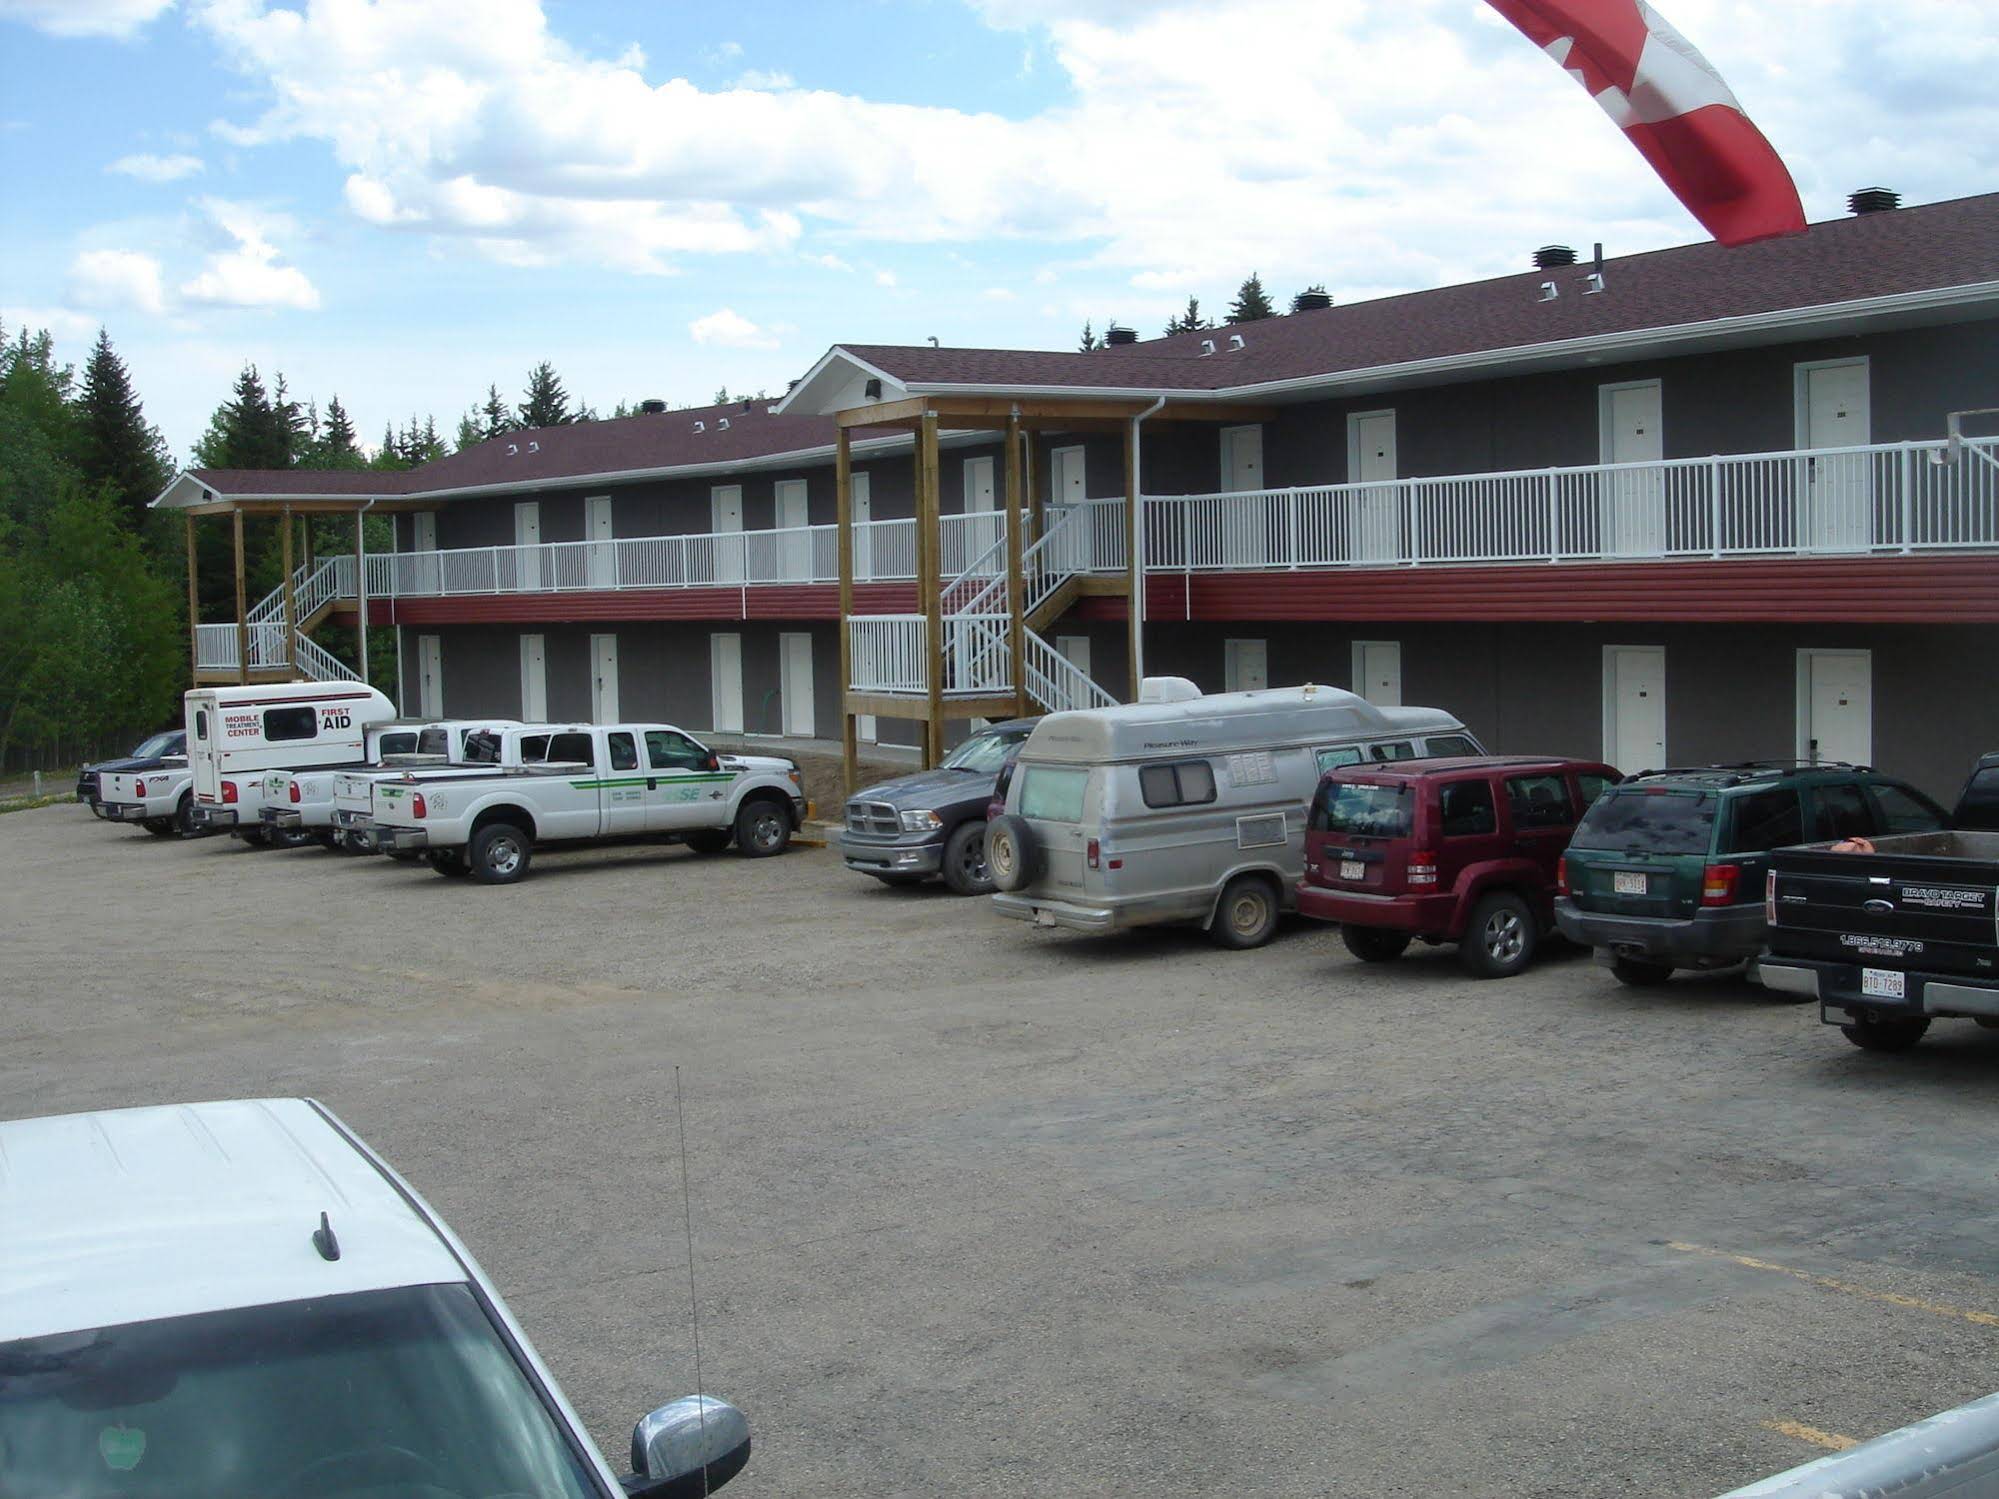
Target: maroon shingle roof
pixel 302 481
pixel 1843 260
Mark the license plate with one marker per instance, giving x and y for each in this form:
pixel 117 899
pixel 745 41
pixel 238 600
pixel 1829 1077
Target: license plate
pixel 1883 983
pixel 1624 882
pixel 1352 869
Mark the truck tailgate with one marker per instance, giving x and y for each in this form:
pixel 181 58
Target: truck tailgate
pixel 1924 900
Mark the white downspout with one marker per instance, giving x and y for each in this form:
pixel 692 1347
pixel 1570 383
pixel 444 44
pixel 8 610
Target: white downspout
pixel 1138 542
pixel 361 585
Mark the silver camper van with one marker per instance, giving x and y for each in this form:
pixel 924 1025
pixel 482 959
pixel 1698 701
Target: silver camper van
pixel 1186 808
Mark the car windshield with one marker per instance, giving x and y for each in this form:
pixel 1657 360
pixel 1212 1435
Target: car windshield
pixel 409 1391
pixel 155 747
pixel 984 753
pixel 1358 809
pixel 1648 819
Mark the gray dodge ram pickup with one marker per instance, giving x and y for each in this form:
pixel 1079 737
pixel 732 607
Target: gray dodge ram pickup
pixel 934 822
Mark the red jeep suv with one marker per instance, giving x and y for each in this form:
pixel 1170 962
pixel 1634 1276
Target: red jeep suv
pixel 1461 850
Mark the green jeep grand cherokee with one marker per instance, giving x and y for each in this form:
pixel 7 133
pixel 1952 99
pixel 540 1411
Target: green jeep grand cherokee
pixel 1666 870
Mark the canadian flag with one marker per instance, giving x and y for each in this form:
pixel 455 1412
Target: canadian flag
pixel 1675 109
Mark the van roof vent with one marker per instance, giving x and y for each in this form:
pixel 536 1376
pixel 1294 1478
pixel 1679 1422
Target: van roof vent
pixel 1167 690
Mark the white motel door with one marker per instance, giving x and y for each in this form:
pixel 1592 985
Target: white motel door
pixel 534 679
pixel 1375 516
pixel 863 504
pixel 1838 698
pixel 428 568
pixel 430 676
pixel 527 536
pixel 795 683
pixel 725 683
pixel 795 545
pixel 597 527
pixel 1634 500
pixel 725 519
pixel 1834 402
pixel 603 679
pixel 1075 650
pixel 1377 671
pixel 1634 738
pixel 1245 535
pixel 983 534
pixel 1245 665
pixel 1068 484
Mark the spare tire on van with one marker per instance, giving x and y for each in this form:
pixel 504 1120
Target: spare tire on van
pixel 1012 858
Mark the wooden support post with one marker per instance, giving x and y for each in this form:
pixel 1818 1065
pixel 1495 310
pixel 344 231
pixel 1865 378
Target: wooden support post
pixel 193 610
pixel 242 610
pixel 930 531
pixel 1135 603
pixel 1016 600
pixel 843 517
pixel 361 588
pixel 291 603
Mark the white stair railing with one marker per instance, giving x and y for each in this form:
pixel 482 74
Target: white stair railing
pixel 1057 683
pixel 319 664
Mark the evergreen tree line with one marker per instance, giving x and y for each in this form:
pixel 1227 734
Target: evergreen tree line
pixel 1252 304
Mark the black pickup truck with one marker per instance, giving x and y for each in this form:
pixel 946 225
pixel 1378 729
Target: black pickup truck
pixel 1887 935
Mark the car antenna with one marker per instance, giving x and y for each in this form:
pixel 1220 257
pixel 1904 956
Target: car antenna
pixel 693 1302
pixel 324 1241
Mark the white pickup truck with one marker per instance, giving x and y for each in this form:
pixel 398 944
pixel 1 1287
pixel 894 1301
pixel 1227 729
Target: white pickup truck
pixel 161 800
pixel 505 746
pixel 611 781
pixel 301 799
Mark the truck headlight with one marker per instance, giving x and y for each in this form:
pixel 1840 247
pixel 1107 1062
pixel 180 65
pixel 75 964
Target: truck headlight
pixel 921 822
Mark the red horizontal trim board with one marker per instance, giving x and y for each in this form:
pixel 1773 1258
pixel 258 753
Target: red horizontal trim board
pixel 1859 590
pixel 1928 589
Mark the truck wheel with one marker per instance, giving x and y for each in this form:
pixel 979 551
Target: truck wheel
pixel 350 842
pixel 1011 857
pixel 965 869
pixel 1871 1033
pixel 251 837
pixel 707 840
pixel 329 841
pixel 763 828
pixel 159 827
pixel 1374 944
pixel 448 861
pixel 1246 915
pixel 499 853
pixel 289 837
pixel 1640 974
pixel 1499 939
pixel 184 815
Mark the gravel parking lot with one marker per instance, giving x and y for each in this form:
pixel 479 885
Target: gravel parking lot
pixel 981 1210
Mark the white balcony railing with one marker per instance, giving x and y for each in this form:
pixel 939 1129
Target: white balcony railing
pixel 1903 497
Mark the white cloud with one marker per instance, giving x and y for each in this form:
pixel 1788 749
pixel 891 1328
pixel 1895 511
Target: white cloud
pixel 997 294
pixel 1381 144
pixel 245 270
pixel 106 279
pixel 884 278
pixel 113 18
pixel 726 328
pixel 65 323
pixel 765 78
pixel 830 262
pixel 149 168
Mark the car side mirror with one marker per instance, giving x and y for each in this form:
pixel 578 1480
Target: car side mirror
pixel 688 1448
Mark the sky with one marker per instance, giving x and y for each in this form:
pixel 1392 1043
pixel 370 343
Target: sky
pixel 402 201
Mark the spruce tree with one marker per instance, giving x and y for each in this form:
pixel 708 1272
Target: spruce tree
pixel 1190 320
pixel 1251 304
pixel 497 418
pixel 337 446
pixel 246 430
pixel 470 432
pixel 547 403
pixel 117 447
pixel 1089 340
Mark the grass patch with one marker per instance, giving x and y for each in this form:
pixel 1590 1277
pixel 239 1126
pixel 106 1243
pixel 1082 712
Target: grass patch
pixel 29 803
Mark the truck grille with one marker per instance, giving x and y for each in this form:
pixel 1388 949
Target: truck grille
pixel 873 817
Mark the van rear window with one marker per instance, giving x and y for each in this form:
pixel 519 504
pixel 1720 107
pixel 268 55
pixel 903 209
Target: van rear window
pixel 1358 810
pixel 281 724
pixel 1646 819
pixel 1053 794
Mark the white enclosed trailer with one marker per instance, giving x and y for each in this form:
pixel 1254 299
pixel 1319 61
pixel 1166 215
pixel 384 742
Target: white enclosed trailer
pixel 237 735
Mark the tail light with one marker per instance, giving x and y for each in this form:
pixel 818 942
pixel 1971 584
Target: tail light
pixel 1094 854
pixel 1770 897
pixel 294 791
pixel 139 789
pixel 229 793
pixel 1422 867
pixel 417 807
pixel 1718 882
pixel 1562 875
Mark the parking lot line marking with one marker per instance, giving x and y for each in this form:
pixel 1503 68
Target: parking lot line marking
pixel 1832 1441
pixel 1887 1298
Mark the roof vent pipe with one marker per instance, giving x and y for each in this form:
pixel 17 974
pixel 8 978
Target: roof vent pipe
pixel 1115 335
pixel 722 425
pixel 1207 347
pixel 513 449
pixel 748 404
pixel 652 407
pixel 700 426
pixel 933 340
pixel 1236 342
pixel 1873 200
pixel 534 447
pixel 1549 256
